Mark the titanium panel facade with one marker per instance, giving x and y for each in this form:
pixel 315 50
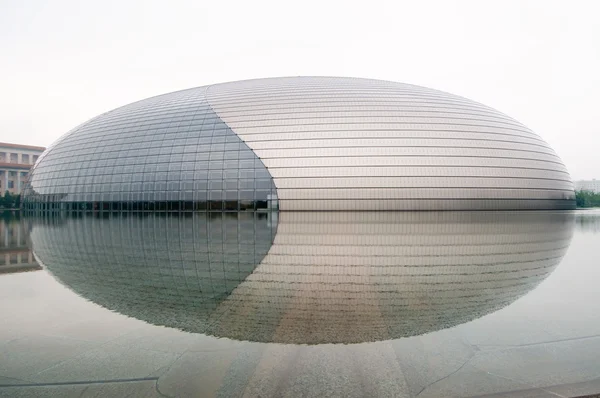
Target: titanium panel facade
pixel 301 143
pixel 360 144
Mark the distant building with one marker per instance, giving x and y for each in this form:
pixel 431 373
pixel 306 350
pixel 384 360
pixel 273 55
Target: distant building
pixel 15 162
pixel 587 185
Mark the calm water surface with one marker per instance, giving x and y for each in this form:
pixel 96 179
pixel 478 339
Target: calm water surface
pixel 301 304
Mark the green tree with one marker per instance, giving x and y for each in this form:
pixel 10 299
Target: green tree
pixel 10 201
pixel 587 199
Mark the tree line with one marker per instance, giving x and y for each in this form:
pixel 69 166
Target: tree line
pixel 587 199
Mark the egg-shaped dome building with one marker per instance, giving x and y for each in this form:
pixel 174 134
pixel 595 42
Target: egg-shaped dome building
pixel 301 143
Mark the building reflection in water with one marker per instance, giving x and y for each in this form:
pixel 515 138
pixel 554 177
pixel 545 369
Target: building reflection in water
pixel 305 278
pixel 15 252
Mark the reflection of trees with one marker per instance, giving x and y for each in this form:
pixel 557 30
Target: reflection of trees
pixel 588 222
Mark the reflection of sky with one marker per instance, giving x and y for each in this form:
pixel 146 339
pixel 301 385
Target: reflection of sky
pixel 546 339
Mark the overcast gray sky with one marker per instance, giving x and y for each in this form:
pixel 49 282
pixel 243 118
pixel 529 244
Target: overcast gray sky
pixel 63 62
